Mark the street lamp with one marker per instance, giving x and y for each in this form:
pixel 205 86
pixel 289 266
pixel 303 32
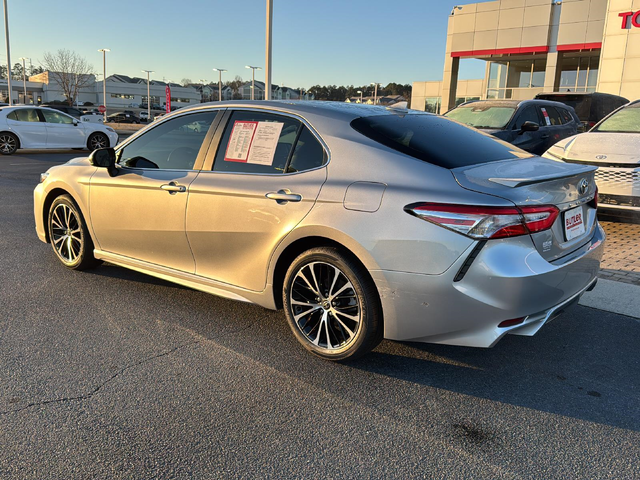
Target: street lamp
pixel 24 77
pixel 6 35
pixel 148 72
pixel 253 79
pixel 267 73
pixel 360 92
pixel 375 95
pixel 104 79
pixel 219 70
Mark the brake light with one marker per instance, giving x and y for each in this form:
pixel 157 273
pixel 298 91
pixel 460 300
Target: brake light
pixel 594 202
pixel 486 222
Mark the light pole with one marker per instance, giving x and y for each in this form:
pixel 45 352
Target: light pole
pixel 6 35
pixel 219 70
pixel 148 72
pixel 104 79
pixel 253 79
pixel 375 95
pixel 24 77
pixel 360 92
pixel 267 71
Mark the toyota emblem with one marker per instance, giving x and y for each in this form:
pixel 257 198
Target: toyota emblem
pixel 584 185
pixel 601 157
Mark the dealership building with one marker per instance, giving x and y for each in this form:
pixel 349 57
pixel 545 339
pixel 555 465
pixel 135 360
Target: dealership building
pixel 534 46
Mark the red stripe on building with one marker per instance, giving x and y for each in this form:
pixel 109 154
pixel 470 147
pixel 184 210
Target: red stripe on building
pixel 500 51
pixel 579 46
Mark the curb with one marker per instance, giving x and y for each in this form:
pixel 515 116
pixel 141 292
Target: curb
pixel 615 297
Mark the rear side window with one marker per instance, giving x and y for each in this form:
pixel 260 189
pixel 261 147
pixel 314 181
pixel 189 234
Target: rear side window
pixel 308 153
pixel 551 116
pixel 256 142
pixel 566 116
pixel 436 140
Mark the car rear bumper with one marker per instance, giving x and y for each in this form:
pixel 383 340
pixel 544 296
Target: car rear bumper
pixel 507 280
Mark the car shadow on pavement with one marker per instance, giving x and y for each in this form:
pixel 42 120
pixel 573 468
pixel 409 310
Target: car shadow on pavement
pixel 580 367
pixel 114 271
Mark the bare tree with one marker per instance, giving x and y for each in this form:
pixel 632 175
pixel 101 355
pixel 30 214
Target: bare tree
pixel 71 71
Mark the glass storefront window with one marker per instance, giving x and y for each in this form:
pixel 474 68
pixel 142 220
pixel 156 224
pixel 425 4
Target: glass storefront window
pixel 515 74
pixel 432 104
pixel 579 74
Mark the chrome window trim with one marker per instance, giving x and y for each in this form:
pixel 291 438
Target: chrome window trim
pixel 300 118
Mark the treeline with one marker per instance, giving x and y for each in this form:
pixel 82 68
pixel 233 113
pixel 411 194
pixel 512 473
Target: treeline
pixel 341 93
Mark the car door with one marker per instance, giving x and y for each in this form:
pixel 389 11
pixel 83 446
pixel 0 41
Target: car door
pixel 63 131
pixel 259 181
pixel 552 128
pixel 529 141
pixel 140 212
pixel 28 125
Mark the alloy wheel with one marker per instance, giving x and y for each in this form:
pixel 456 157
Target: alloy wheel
pixel 325 306
pixel 7 143
pixel 66 233
pixel 98 141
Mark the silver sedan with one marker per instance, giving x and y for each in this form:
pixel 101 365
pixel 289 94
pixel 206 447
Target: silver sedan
pixel 361 222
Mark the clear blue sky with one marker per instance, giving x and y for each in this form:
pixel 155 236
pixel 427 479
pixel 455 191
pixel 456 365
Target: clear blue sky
pixel 339 42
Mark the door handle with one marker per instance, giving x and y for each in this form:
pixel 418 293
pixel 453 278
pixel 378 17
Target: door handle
pixel 546 135
pixel 172 188
pixel 283 196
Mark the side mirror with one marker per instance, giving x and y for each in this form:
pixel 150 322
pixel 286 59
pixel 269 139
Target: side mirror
pixel 104 158
pixel 75 122
pixel 529 126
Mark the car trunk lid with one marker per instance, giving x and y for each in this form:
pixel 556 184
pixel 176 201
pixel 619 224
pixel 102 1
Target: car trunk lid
pixel 538 181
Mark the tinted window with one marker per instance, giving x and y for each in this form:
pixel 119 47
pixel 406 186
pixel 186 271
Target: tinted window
pixel 51 116
pixel 528 114
pixel 308 153
pixel 172 145
pixel 436 140
pixel 551 116
pixel 256 142
pixel 566 116
pixel 24 115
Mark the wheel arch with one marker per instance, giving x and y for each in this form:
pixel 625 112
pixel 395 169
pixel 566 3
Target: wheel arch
pixel 299 245
pixel 15 134
pixel 46 206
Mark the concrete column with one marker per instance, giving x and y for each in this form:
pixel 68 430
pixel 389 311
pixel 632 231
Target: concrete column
pixel 450 82
pixel 552 72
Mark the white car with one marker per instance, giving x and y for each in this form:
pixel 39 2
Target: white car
pixel 612 145
pixel 38 127
pixel 144 115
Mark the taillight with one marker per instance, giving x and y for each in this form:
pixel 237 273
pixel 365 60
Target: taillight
pixel 486 222
pixel 594 202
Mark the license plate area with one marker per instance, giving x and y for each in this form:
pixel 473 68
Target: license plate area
pixel 573 221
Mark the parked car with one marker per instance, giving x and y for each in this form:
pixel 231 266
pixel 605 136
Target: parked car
pixel 38 127
pixel 590 107
pixel 122 117
pixel 533 125
pixel 73 111
pixel 613 145
pixel 422 229
pixel 144 116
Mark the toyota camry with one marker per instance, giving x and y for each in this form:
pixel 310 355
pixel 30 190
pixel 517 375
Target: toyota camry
pixel 360 222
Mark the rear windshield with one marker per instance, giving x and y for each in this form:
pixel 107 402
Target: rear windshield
pixel 436 140
pixel 626 120
pixel 482 115
pixel 580 103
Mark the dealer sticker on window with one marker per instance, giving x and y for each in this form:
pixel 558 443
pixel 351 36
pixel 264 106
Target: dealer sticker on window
pixel 253 142
pixel 573 223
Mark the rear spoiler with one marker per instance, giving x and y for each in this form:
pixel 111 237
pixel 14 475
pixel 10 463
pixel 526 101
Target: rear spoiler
pixel 519 182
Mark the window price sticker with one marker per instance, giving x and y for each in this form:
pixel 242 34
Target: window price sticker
pixel 253 142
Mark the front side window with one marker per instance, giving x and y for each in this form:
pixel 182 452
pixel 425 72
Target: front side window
pixel 172 145
pixel 51 116
pixel 528 114
pixel 256 142
pixel 24 115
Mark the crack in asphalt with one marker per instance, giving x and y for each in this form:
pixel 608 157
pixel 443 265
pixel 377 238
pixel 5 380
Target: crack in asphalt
pixel 108 380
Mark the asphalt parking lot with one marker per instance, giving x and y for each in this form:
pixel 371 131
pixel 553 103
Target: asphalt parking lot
pixel 113 374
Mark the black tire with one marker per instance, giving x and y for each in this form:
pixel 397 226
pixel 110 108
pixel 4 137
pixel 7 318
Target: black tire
pixel 69 236
pixel 97 140
pixel 325 325
pixel 8 143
